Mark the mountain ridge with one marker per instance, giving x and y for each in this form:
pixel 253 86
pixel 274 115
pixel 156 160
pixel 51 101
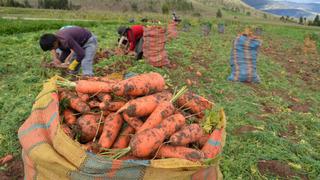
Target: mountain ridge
pixel 286 8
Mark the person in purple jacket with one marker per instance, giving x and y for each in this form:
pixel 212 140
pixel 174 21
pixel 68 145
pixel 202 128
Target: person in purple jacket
pixel 78 47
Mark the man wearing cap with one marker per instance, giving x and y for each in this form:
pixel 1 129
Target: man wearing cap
pixel 131 39
pixel 72 39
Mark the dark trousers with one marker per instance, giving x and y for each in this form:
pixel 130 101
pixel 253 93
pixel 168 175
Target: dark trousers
pixel 138 49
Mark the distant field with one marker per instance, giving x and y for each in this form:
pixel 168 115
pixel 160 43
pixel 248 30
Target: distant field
pixel 278 119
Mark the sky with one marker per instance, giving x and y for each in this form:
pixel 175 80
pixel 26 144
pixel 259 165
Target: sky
pixel 302 1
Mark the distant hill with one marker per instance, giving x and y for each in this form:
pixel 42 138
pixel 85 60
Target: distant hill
pixel 290 12
pixel 206 7
pixel 285 8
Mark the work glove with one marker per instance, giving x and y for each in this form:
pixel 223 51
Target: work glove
pixel 73 65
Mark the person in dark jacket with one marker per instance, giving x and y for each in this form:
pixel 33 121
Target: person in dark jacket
pixel 132 39
pixel 175 18
pixel 78 47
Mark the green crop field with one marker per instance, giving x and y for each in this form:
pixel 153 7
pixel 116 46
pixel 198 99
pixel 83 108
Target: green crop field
pixel 278 119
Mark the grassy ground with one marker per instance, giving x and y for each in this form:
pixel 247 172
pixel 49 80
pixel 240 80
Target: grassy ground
pixel 278 119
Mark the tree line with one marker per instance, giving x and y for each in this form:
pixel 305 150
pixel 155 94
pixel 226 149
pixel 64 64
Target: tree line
pixel 302 20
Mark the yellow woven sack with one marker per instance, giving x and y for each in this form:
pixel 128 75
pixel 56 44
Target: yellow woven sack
pixel 49 154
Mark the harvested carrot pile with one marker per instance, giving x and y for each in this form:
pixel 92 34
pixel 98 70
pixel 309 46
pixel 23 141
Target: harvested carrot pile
pixel 138 118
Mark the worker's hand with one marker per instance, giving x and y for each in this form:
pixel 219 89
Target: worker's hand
pixel 56 62
pixel 64 65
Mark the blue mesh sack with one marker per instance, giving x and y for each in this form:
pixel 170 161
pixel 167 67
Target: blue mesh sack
pixel 243 59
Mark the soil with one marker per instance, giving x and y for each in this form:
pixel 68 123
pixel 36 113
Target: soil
pixel 300 107
pixel 119 66
pixel 102 54
pixel 278 168
pixel 269 109
pixel 296 104
pixel 290 133
pixel 12 170
pixel 256 117
pixel 245 129
pixel 177 55
pixel 201 60
pixel 297 63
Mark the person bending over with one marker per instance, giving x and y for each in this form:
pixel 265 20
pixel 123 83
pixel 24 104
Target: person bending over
pixel 78 48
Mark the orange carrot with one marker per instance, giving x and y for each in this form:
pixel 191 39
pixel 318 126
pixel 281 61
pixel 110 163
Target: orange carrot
pixel 69 118
pixel 167 151
pixel 140 85
pixel 111 128
pixel 146 142
pixel 74 102
pixel 104 97
pixel 78 105
pixel 124 138
pixel 67 130
pixel 203 140
pixel 133 121
pixel 63 93
pixel 111 106
pixel 6 159
pixel 83 97
pixel 103 106
pixel 91 87
pixel 213 146
pixel 106 113
pixel 162 111
pixel 172 124
pixel 94 104
pixel 195 103
pixel 88 124
pixel 144 106
pixel 186 135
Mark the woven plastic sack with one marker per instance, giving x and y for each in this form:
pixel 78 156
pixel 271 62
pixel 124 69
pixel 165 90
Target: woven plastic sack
pixel 243 59
pixel 221 28
pixel 186 27
pixel 172 30
pixel 206 28
pixel 49 154
pixel 310 46
pixel 154 51
pixel 258 31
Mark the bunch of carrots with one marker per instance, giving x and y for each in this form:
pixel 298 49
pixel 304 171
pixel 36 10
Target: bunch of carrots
pixel 136 118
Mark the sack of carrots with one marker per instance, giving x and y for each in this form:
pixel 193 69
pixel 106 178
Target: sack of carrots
pixel 139 119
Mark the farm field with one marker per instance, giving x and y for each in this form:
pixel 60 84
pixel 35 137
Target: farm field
pixel 273 128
